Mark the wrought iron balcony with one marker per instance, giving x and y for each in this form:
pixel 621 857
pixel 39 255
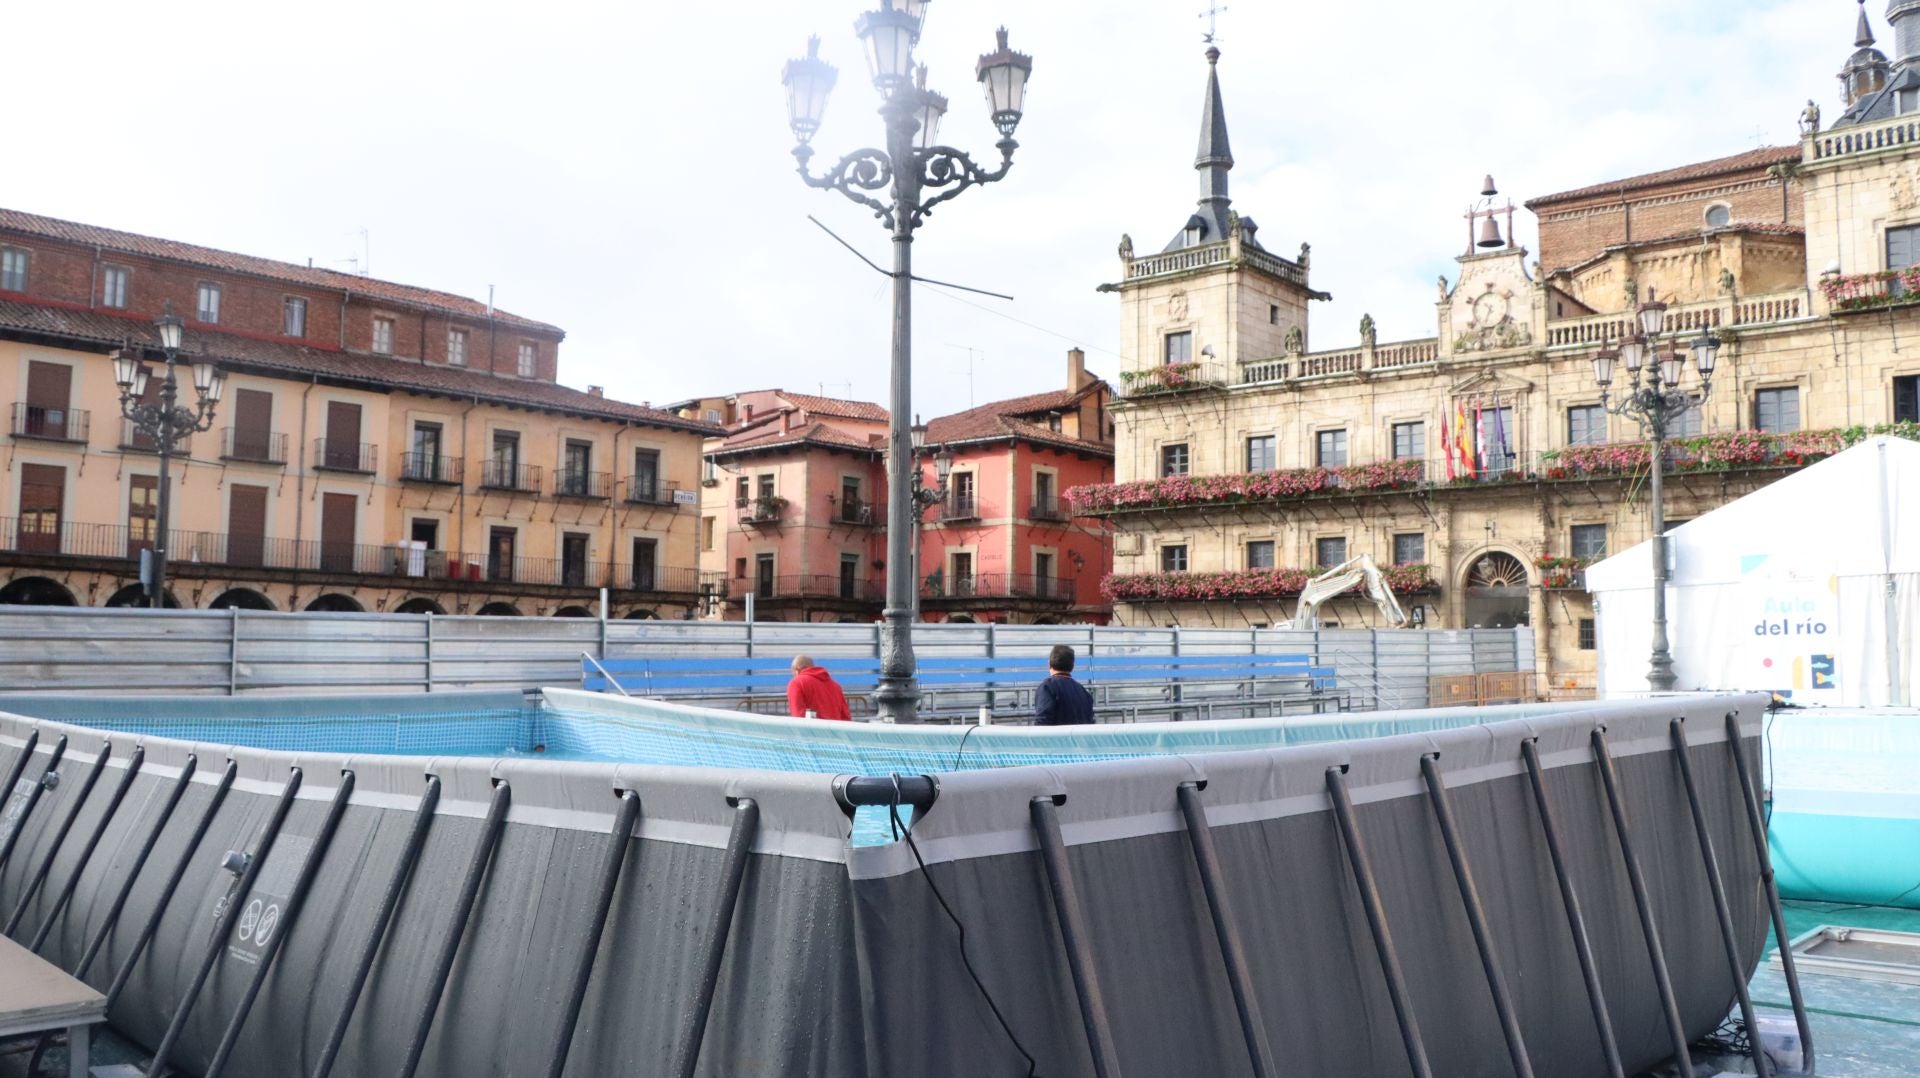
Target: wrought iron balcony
pixel 510 475
pixel 571 483
pixel 333 455
pixel 764 510
pixel 50 424
pixel 855 511
pixel 255 446
pixel 960 507
pixel 431 468
pixel 1049 508
pixel 133 439
pixel 639 490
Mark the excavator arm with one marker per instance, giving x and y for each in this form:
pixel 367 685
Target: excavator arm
pixel 1340 579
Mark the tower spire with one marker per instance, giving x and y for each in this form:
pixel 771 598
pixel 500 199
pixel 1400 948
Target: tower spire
pixel 1863 35
pixel 1215 157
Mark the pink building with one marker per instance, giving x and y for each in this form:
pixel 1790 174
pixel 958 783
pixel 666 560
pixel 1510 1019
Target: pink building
pixel 1004 546
pixel 793 512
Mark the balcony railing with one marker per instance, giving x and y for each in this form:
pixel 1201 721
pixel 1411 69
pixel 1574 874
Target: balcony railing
pixel 50 424
pixel 960 507
pixel 568 483
pixel 1171 378
pixel 763 510
pixel 999 586
pixel 855 511
pixel 811 586
pixel 135 440
pixel 636 490
pixel 510 475
pixel 431 468
pixel 1681 318
pixel 333 455
pixel 1049 508
pixel 256 446
pixel 654 578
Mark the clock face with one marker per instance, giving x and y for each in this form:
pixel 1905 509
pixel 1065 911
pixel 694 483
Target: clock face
pixel 1490 309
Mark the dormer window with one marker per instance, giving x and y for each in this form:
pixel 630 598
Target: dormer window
pixel 529 360
pixel 383 336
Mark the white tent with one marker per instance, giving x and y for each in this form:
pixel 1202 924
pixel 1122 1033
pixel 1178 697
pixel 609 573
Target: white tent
pixel 1809 587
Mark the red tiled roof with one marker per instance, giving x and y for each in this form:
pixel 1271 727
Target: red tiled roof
pixel 297 360
pixel 1720 166
pixel 833 406
pixel 1004 419
pixel 172 250
pixel 775 435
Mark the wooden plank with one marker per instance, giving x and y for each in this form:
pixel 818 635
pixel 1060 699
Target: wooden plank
pixel 35 995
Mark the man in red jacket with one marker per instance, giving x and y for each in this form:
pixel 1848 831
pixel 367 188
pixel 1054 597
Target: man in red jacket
pixel 813 689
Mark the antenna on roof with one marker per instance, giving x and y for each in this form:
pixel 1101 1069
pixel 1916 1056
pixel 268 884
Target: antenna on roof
pixel 489 301
pixel 971 352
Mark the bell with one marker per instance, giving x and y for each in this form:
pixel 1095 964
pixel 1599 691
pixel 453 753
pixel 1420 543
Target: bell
pixel 1490 233
pixel 1487 189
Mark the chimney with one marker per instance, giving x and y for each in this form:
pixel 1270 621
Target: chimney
pixel 596 391
pixel 1077 376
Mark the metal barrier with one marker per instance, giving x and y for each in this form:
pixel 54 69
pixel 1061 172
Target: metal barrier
pixel 229 652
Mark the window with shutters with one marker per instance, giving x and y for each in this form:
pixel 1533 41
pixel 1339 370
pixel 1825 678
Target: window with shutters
pixel 113 286
pixel 1777 411
pixel 646 555
pixel 143 510
pixel 43 496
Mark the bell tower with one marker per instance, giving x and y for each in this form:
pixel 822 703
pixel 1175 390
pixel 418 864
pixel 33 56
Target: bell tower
pixel 1213 296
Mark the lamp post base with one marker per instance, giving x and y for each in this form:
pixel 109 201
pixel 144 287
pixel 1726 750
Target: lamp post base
pixel 897 701
pixel 1660 672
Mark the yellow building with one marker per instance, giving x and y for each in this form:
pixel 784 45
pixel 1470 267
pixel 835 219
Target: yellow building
pixel 377 447
pixel 1480 461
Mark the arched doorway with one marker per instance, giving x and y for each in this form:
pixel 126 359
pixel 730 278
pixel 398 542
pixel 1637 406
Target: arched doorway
pixel 419 606
pixel 1046 619
pixel 36 591
pixel 960 619
pixel 642 614
pixel 1497 592
pixel 498 610
pixel 335 603
pixel 573 612
pixel 136 595
pixel 241 599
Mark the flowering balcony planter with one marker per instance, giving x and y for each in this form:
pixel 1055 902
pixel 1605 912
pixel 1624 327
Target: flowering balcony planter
pixel 1563 574
pixel 1191 490
pixel 1871 291
pixel 1168 378
pixel 1246 584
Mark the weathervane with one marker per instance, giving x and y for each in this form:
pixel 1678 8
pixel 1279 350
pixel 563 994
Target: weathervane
pixel 1212 15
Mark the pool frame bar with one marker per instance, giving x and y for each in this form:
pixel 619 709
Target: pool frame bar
pixel 1263 912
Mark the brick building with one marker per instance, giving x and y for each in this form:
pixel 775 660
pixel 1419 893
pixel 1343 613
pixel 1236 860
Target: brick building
pixel 792 512
pixel 1004 546
pixel 1479 461
pixel 380 446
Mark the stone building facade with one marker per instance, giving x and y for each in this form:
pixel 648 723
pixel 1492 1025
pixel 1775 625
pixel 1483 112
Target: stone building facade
pixel 379 446
pixel 1479 461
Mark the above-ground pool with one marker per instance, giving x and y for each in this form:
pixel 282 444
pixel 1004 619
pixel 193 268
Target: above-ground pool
pixel 588 885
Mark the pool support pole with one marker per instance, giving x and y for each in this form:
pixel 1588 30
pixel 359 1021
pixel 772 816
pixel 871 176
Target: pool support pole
pixel 134 761
pixel 619 840
pixel 1576 921
pixel 173 883
pixel 60 833
pixel 1233 952
pixel 33 798
pixel 1757 826
pixel 132 875
pixel 248 876
pixel 1073 936
pixel 1642 904
pixel 1476 916
pixel 746 826
pixel 396 886
pixel 1376 912
pixel 457 928
pixel 1677 730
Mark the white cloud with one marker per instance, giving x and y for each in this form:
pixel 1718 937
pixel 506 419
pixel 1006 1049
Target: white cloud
pixel 622 171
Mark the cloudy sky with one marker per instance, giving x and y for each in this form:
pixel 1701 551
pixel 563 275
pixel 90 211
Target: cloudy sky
pixel 622 170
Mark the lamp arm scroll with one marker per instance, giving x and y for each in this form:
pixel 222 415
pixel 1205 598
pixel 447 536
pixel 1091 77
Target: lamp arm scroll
pixel 862 170
pixel 944 166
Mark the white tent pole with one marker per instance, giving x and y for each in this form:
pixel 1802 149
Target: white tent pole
pixel 1895 697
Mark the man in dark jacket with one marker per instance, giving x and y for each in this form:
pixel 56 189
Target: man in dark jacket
pixel 814 693
pixel 1060 700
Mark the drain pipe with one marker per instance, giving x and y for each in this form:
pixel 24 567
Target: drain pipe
pixel 300 469
pixel 460 523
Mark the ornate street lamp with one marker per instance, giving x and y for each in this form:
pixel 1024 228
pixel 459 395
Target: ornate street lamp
pixel 913 173
pixel 165 421
pixel 1655 403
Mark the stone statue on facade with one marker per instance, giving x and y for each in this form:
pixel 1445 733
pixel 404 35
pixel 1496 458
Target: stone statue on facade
pixel 1296 341
pixel 1810 119
pixel 1368 337
pixel 1443 288
pixel 1306 256
pixel 1727 282
pixel 1126 247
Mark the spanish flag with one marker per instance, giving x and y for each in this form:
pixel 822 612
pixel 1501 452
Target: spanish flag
pixel 1464 432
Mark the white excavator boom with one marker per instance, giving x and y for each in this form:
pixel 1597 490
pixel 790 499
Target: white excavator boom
pixel 1338 580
